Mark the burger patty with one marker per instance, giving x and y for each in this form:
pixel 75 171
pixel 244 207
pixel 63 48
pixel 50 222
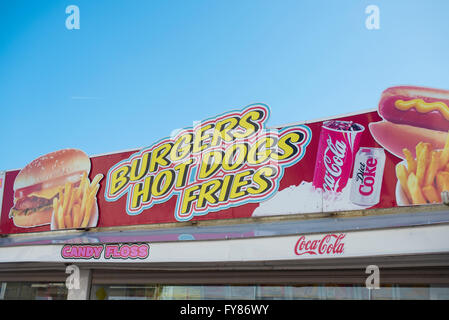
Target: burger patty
pixel 31 203
pixel 25 212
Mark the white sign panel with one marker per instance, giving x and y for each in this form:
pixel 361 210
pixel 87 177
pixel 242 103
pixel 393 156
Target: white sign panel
pixel 410 240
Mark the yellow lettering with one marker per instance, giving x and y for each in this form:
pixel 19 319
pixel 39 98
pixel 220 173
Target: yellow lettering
pixel 141 192
pixel 158 156
pixel 181 148
pixel 225 188
pixel 163 182
pixel 257 154
pixel 207 193
pixel 188 198
pixel 222 129
pixel 246 122
pixel 182 168
pixel 262 182
pixel 235 156
pixel 198 145
pixel 286 143
pixel 139 167
pixel 210 163
pixel 239 182
pixel 119 179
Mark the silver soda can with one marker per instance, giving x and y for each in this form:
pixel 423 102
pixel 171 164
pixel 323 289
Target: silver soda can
pixel 367 176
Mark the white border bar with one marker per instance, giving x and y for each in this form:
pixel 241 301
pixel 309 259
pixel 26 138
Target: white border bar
pixel 399 241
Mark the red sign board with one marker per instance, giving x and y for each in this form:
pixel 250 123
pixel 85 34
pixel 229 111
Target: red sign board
pixel 233 166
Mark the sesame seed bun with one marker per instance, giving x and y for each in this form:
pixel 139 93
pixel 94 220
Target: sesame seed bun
pixel 53 165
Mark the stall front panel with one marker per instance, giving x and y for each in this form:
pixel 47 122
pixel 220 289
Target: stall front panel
pixel 234 166
pixel 350 244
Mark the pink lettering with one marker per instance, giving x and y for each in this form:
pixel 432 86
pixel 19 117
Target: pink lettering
pixel 111 251
pixel 81 252
pixel 144 251
pixel 367 187
pixel 65 252
pixel 126 251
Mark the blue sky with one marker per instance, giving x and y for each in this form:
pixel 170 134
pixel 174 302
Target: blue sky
pixel 137 69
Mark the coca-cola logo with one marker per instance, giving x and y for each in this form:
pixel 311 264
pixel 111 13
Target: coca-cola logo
pixel 334 156
pixel 329 244
pixel 367 175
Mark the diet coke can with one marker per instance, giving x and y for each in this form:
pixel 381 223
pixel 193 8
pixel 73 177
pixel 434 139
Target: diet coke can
pixel 339 142
pixel 367 177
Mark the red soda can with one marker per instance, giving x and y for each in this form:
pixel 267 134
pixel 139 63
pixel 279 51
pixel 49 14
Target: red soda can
pixel 338 145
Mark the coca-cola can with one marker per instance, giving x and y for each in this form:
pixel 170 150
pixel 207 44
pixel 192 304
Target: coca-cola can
pixel 339 142
pixel 367 176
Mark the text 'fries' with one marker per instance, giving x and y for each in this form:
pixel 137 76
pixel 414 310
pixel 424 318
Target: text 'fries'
pixel 426 176
pixel 74 206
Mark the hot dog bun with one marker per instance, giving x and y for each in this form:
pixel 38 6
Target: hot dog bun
pixel 395 137
pixel 416 106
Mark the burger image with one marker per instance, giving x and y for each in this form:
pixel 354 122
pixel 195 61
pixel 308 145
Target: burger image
pixel 39 183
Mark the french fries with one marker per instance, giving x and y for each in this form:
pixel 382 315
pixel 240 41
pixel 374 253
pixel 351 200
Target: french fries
pixel 431 194
pixel 402 174
pixel 415 190
pixel 73 207
pixel 432 169
pixel 444 155
pixel 422 156
pixel 411 162
pixel 443 181
pixel 426 176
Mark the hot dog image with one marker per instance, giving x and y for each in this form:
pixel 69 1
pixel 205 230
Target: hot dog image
pixel 411 115
pixel 415 128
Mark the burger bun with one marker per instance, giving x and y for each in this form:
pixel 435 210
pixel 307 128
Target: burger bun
pixel 33 219
pixel 51 166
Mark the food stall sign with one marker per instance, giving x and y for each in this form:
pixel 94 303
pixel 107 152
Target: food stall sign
pixel 234 166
